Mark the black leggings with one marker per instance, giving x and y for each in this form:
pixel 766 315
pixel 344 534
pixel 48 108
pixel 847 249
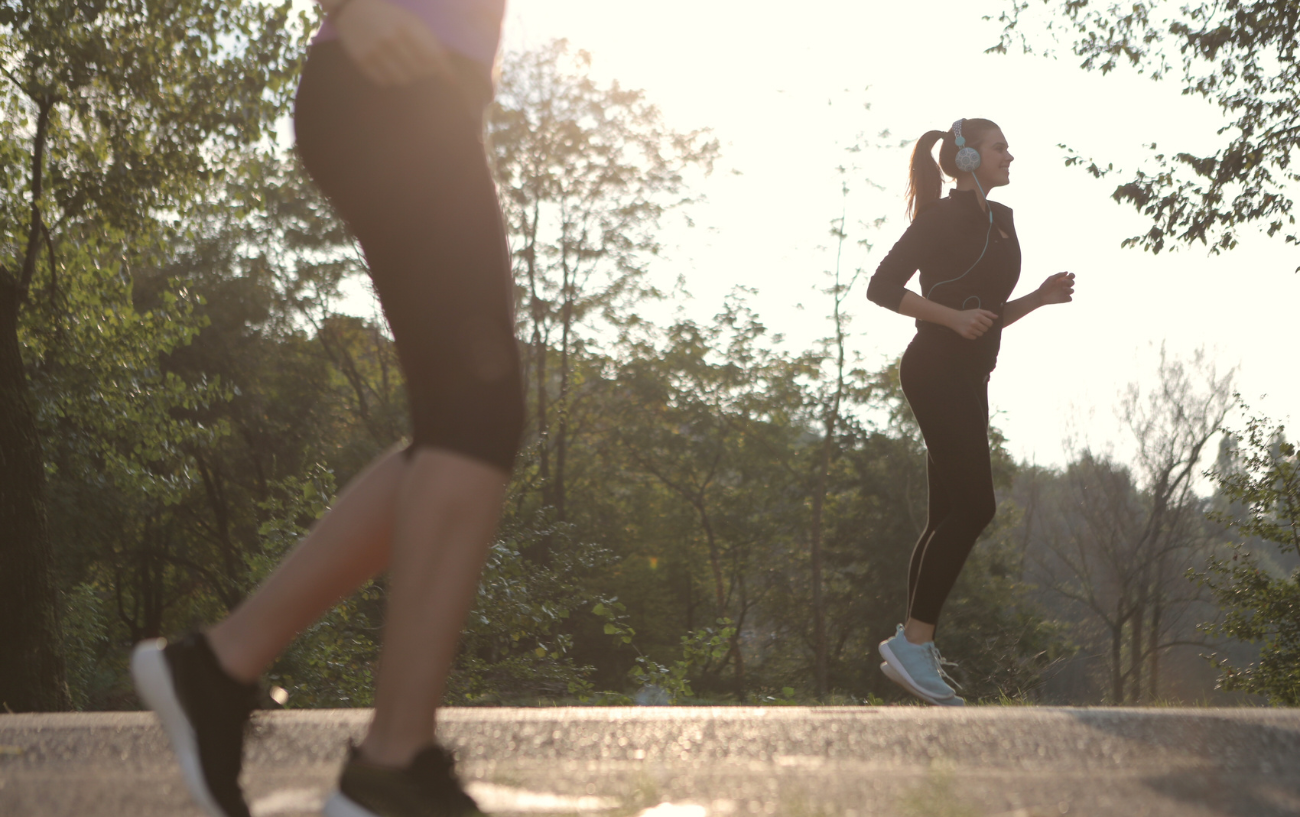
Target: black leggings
pixel 406 169
pixel 949 397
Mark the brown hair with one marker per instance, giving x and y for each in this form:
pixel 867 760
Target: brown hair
pixel 925 176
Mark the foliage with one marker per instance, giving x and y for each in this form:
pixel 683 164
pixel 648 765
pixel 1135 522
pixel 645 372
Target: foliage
pixel 586 174
pixel 202 410
pixel 661 684
pixel 516 647
pixel 113 119
pixel 1240 55
pixel 1112 540
pixel 1259 605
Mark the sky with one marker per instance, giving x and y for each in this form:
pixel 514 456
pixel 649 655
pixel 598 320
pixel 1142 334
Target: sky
pixel 784 88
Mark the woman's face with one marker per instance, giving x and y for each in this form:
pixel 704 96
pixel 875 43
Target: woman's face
pixel 995 160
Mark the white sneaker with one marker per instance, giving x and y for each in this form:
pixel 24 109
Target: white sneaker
pixel 917 668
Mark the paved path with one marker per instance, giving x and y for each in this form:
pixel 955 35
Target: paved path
pixel 702 762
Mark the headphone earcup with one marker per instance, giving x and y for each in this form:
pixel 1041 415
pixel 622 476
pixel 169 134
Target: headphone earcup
pixel 968 159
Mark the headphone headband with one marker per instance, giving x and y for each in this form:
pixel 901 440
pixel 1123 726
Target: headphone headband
pixel 956 132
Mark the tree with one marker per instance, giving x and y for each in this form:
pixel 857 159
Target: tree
pixel 1118 539
pixel 112 113
pixel 714 417
pixel 585 174
pixel 1236 53
pixel 830 405
pixel 1260 605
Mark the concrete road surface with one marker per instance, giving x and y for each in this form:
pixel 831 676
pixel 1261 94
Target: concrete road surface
pixel 701 762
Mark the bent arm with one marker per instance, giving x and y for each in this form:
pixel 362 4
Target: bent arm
pixel 967 323
pixel 1013 311
pixel 888 286
pixel 914 306
pixel 1057 289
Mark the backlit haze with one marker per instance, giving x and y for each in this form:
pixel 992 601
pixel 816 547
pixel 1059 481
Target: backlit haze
pixel 783 88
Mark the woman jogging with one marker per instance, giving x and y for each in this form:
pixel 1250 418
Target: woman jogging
pixel 966 249
pixel 388 119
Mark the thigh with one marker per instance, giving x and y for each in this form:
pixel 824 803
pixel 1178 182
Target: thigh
pixel 939 496
pixel 406 169
pixel 951 407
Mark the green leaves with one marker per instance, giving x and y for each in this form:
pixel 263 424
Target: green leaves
pixel 1260 604
pixel 1240 58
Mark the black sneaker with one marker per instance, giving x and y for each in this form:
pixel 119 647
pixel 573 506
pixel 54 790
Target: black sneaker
pixel 204 712
pixel 426 788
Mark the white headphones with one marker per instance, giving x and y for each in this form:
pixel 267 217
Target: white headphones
pixel 968 158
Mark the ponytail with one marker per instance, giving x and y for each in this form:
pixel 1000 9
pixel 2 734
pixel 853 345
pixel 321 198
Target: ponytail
pixel 924 180
pixel 925 176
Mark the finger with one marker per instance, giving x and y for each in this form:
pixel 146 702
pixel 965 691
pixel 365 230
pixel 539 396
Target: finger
pixel 394 61
pixel 411 62
pixel 378 67
pixel 374 72
pixel 433 55
pixel 416 59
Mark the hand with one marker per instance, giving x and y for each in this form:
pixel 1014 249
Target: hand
pixel 389 44
pixel 971 323
pixel 1057 289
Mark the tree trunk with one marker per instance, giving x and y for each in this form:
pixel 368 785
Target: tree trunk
pixel 1137 646
pixel 537 312
pixel 690 600
pixel 1154 649
pixel 831 415
pixel 562 402
pixel 715 558
pixel 229 589
pixel 1116 656
pixel 819 603
pixel 31 661
pixel 735 638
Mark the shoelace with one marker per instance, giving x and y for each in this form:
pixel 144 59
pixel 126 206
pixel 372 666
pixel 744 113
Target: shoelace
pixel 939 662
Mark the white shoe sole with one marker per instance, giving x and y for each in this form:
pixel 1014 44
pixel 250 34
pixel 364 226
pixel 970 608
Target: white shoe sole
pixel 153 683
pixel 895 672
pixel 340 805
pixel 893 675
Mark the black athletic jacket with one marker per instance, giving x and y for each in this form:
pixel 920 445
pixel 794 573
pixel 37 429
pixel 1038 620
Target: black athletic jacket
pixel 943 242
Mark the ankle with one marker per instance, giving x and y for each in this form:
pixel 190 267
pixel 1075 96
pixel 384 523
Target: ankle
pixel 918 632
pixel 387 754
pixel 220 650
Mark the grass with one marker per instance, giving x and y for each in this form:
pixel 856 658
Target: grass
pixel 936 798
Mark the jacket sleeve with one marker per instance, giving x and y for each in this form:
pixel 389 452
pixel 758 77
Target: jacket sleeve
pixel 904 259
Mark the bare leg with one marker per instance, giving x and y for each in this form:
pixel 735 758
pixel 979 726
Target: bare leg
pixel 430 519
pixel 918 632
pixel 447 513
pixel 349 545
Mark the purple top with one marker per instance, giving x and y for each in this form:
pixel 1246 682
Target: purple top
pixel 469 27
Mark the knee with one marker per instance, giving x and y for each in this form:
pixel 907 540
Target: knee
pixel 985 509
pixel 978 511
